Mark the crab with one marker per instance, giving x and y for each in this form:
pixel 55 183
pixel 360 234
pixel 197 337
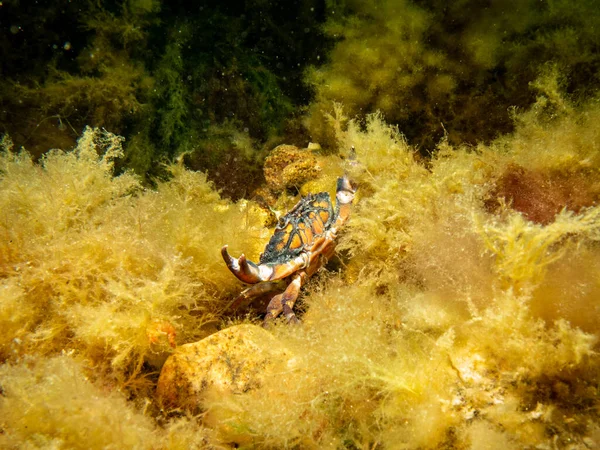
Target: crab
pixel 303 241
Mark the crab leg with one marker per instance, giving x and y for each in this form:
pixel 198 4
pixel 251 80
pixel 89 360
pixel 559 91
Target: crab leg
pixel 252 292
pixel 284 270
pixel 285 301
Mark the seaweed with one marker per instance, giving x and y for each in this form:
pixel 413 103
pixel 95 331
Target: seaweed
pixel 446 326
pixel 445 323
pixel 462 309
pixel 449 71
pixel 127 299
pixel 163 81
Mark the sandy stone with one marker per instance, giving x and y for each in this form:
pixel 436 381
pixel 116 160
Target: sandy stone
pixel 288 166
pixel 231 361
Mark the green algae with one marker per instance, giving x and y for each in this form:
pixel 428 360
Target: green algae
pixel 163 77
pixel 433 68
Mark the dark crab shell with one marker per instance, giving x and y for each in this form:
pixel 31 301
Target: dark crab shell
pixel 312 216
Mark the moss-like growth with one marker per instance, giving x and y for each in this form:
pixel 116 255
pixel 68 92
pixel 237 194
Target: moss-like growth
pixel 454 70
pixel 34 403
pixel 167 83
pixel 451 323
pixel 94 80
pixel 51 403
pixel 118 273
pixel 452 332
pixel 287 167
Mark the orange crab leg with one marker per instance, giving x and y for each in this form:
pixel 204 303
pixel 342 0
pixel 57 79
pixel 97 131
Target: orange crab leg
pixel 254 291
pixel 285 270
pixel 320 256
pixel 285 301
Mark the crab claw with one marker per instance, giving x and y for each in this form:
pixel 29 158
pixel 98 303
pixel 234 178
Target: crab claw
pixel 245 270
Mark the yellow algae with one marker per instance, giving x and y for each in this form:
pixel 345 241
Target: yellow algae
pixel 523 250
pixel 571 289
pixel 98 262
pixel 51 403
pixel 462 307
pixel 439 339
pixel 447 323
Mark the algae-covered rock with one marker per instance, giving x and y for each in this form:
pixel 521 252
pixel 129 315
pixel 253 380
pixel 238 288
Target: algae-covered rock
pixel 288 166
pixel 232 361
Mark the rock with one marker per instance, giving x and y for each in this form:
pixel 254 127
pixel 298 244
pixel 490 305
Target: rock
pixel 229 362
pixel 288 166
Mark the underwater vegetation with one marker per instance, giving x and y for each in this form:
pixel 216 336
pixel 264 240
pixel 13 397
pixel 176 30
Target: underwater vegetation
pixel 67 228
pixel 459 314
pixel 214 81
pixel 225 82
pixel 437 70
pixel 462 308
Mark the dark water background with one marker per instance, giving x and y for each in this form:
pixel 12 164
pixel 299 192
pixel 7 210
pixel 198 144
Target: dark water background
pixel 225 81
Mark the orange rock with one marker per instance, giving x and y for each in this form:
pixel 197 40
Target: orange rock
pixel 231 361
